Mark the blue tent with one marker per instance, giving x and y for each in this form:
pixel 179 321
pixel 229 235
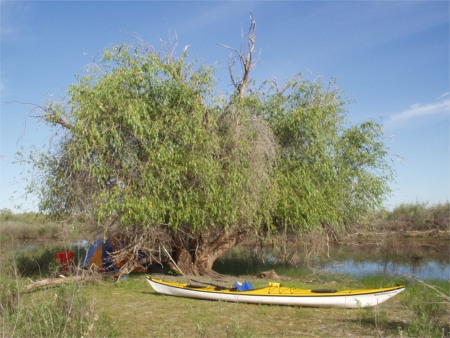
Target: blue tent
pixel 99 256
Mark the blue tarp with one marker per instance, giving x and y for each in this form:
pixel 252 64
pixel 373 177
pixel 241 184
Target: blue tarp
pixel 246 286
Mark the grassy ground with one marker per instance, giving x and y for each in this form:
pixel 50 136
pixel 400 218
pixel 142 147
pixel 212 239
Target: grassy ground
pixel 131 308
pixel 139 311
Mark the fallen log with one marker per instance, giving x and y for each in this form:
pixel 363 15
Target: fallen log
pixel 50 282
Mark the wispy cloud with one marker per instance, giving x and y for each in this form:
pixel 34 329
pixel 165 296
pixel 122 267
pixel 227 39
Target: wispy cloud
pixel 440 107
pixel 384 22
pixel 13 16
pixel 217 13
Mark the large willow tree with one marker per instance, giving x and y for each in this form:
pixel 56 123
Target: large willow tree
pixel 152 152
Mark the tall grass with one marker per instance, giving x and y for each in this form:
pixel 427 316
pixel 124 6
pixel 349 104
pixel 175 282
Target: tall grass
pixel 429 304
pixel 426 301
pixel 61 312
pixel 66 314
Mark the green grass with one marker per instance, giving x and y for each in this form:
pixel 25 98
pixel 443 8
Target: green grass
pixel 58 312
pixel 139 311
pixel 63 312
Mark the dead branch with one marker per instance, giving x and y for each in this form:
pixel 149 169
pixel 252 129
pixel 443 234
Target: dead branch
pixel 171 259
pixel 50 282
pixel 245 58
pixel 268 274
pixel 137 248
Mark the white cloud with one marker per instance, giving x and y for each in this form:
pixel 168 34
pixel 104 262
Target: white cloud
pixel 439 108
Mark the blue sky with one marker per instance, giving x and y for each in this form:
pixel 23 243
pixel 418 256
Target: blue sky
pixel 391 58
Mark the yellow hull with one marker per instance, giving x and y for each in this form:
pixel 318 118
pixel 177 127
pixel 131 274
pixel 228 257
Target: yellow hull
pixel 280 295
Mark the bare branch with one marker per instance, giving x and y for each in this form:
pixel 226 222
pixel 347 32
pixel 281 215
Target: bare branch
pixel 143 45
pixel 170 47
pixel 245 58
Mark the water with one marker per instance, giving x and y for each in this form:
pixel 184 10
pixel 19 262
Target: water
pixel 429 269
pixel 424 258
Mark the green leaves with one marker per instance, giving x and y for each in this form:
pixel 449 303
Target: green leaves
pixel 152 144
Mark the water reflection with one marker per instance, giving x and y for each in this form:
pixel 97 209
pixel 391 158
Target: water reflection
pixel 430 269
pixel 424 258
pixel 419 258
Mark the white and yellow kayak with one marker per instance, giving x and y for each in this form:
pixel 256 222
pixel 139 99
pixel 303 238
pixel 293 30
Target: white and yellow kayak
pixel 280 295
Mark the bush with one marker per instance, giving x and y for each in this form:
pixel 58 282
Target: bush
pixel 7 215
pixel 418 216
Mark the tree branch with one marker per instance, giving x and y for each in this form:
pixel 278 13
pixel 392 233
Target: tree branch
pixel 51 115
pixel 245 58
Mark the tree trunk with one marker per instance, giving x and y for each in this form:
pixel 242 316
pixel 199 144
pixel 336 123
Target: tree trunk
pixel 196 256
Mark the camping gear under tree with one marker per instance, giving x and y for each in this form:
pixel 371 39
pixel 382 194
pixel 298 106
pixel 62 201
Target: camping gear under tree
pixel 65 259
pixel 100 257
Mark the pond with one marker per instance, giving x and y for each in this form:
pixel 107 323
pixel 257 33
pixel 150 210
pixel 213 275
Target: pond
pixel 418 258
pixel 423 258
pixel 426 269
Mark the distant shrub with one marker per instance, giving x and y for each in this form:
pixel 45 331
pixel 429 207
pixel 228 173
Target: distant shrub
pixel 7 215
pixel 411 213
pixel 418 216
pixel 32 226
